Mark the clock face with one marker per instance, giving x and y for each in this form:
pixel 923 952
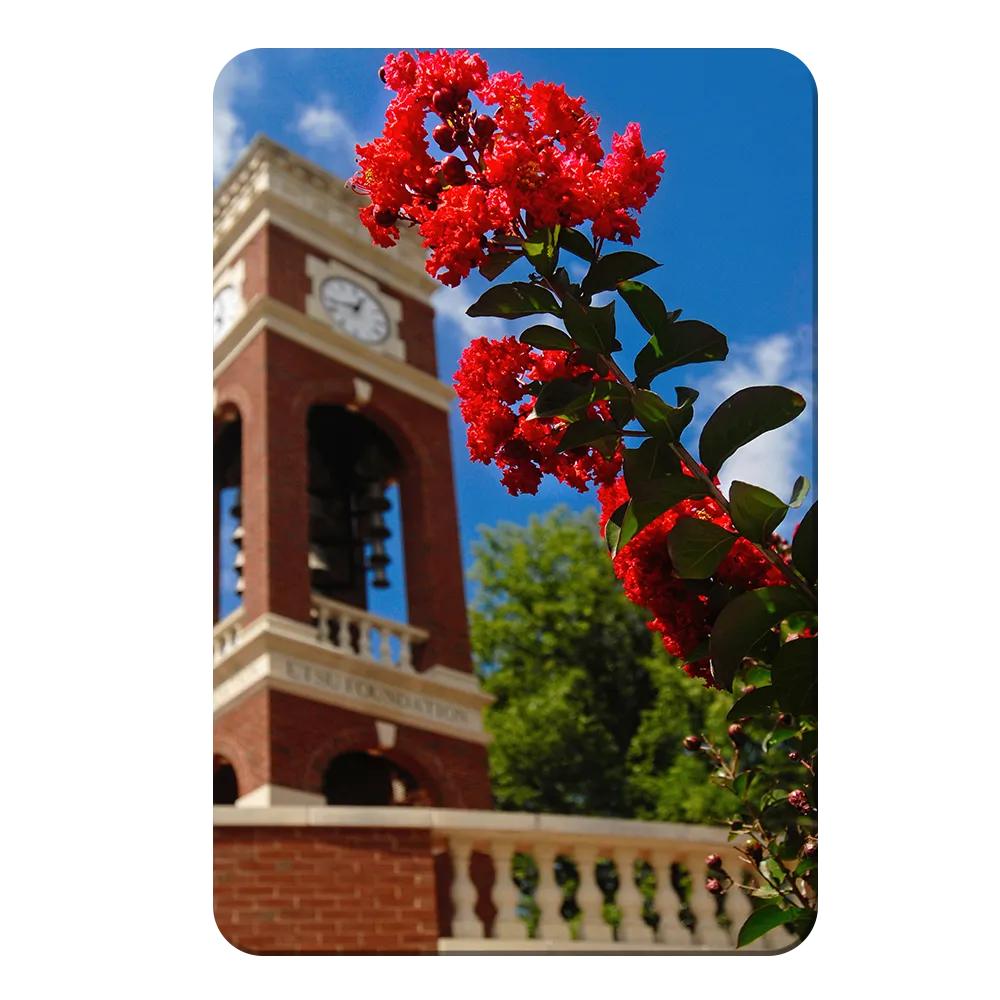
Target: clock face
pixel 226 303
pixel 354 310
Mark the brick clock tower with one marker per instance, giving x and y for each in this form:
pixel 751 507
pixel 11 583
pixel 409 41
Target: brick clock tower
pixel 329 422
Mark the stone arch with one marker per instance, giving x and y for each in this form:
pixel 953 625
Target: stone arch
pixel 225 781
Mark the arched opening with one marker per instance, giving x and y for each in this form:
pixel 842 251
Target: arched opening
pixel 365 779
pixel 225 788
pixel 355 551
pixel 228 513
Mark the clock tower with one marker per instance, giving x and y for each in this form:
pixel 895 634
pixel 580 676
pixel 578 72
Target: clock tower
pixel 331 436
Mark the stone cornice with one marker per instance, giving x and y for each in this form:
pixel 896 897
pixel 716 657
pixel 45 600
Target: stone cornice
pixel 313 205
pixel 264 313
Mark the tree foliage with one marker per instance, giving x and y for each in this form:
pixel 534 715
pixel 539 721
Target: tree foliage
pixel 591 712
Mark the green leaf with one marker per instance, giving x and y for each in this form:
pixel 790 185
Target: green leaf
pixel 659 418
pixel 756 513
pixel 697 547
pixel 765 648
pixel 498 262
pixel 621 528
pixel 584 432
pixel 806 865
pixel 562 396
pixel 743 417
pixel 779 736
pixel 773 870
pixel 756 702
pixel 686 342
pixel 799 492
pixel 542 249
pixel 606 272
pixel 613 528
pixel 804 545
pixel 743 621
pixel 592 327
pixel 766 892
pixel 577 244
pixel 653 458
pixel 795 673
pixel 765 919
pixel 742 782
pixel 514 300
pixel 547 338
pixel 646 306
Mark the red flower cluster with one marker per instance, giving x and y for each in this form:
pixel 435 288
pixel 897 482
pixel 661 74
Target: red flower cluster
pixel 537 161
pixel 680 612
pixel 491 383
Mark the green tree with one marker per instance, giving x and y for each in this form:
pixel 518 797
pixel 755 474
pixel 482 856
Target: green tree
pixel 591 712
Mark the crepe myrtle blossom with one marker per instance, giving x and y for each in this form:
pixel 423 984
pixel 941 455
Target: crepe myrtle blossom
pixel 501 159
pixel 680 608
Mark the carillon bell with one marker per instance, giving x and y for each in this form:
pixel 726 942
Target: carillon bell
pixel 374 499
pixel 376 525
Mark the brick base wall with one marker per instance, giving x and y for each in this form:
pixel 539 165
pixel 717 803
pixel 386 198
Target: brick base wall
pixel 292 890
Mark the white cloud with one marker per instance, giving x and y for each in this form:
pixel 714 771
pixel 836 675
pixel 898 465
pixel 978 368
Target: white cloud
pixel 451 303
pixel 238 76
pixel 322 126
pixel 777 458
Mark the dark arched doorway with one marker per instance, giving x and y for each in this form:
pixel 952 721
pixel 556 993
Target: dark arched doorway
pixel 366 779
pixel 225 787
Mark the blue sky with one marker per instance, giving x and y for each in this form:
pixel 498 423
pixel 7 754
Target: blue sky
pixel 733 223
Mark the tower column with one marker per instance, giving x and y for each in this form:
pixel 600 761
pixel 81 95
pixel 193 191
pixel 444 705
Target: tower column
pixel 275 497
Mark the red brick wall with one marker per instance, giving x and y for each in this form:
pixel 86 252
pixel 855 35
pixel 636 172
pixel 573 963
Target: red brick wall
pixel 278 738
pixel 325 890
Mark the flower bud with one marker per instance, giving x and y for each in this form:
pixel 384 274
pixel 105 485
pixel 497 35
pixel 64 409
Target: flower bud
pixel 444 136
pixel 797 800
pixel 735 731
pixel 463 105
pixel 749 689
pixel 444 100
pixel 784 719
pixel 714 886
pixel 793 755
pixel 432 186
pixel 453 171
pixel 381 73
pixel 811 849
pixel 754 852
pixel 484 127
pixel 384 216
pixel 692 742
pixel 714 862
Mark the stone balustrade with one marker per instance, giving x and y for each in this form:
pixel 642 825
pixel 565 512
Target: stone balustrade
pixel 523 882
pixel 225 635
pixel 360 633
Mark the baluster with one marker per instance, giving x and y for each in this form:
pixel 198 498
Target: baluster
pixel 738 905
pixel 671 929
pixel 506 897
pixel 405 652
pixel 217 647
pixel 630 900
pixel 364 638
pixel 707 931
pixel 344 632
pixel 464 922
pixel 323 631
pixel 590 898
pixel 549 897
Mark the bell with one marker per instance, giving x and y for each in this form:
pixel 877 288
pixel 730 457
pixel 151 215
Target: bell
pixel 237 536
pixel 317 561
pixel 379 579
pixel 377 557
pixel 376 526
pixel 374 499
